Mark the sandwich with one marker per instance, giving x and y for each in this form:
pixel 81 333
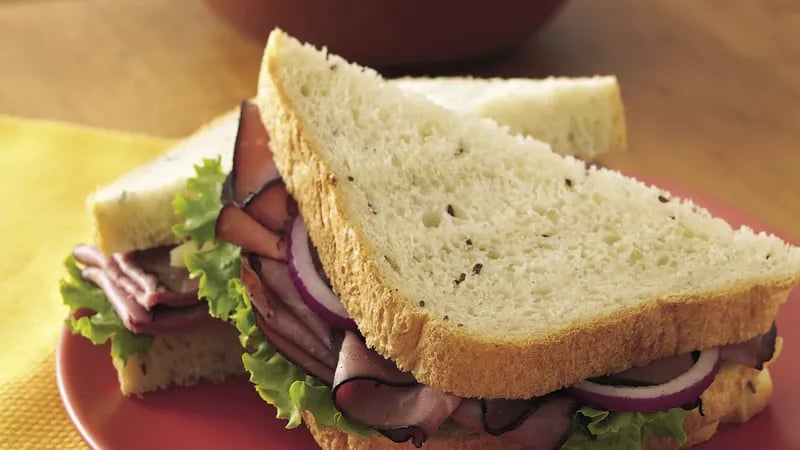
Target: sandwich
pixel 127 290
pixel 131 287
pixel 404 276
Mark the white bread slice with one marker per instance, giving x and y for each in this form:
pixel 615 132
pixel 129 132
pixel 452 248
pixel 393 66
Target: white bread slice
pixel 209 353
pixel 581 116
pixel 538 108
pixel 737 394
pixel 584 271
pixel 135 211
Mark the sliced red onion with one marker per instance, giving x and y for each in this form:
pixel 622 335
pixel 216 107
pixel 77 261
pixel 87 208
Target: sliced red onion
pixel 313 288
pixel 681 390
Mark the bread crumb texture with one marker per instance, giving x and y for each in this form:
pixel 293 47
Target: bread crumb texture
pixel 182 359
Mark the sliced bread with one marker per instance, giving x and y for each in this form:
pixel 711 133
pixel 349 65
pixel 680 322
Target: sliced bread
pixel 135 211
pixel 576 116
pixel 182 359
pixel 488 265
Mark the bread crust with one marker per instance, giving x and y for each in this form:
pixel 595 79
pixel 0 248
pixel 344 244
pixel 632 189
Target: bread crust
pixel 444 356
pixel 727 400
pixel 619 140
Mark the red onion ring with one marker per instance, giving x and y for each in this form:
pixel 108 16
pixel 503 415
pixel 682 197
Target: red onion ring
pixel 314 290
pixel 681 390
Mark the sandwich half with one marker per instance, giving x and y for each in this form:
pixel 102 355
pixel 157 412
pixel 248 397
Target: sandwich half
pixel 128 290
pixel 159 332
pixel 412 276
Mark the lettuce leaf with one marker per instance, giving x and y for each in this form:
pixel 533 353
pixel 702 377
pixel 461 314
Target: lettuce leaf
pixel 217 265
pixel 603 430
pixel 104 325
pixel 199 206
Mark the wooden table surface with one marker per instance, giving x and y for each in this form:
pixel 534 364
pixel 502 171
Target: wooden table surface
pixel 712 88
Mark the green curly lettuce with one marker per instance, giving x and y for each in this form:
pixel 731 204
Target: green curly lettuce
pixel 199 206
pixel 217 265
pixel 102 326
pixel 603 430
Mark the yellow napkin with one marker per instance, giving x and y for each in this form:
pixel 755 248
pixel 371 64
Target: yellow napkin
pixel 46 172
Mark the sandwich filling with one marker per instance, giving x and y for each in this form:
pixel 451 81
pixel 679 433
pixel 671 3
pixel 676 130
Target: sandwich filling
pixel 130 297
pixel 148 295
pixel 283 319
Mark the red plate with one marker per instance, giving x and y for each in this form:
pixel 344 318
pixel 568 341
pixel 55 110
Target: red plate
pixel 232 415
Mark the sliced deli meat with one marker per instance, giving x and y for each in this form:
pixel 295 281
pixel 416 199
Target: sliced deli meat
pixel 156 261
pixel 129 275
pixel 234 225
pixel 253 166
pixel 276 277
pixel 547 425
pixel 366 387
pixel 296 354
pixel 133 315
pixel 271 206
pixel 501 415
pixel 539 423
pixel 754 352
pixel 657 372
pixel 91 256
pixel 371 390
pixel 138 296
pixel 144 281
pixel 358 362
pixel 290 335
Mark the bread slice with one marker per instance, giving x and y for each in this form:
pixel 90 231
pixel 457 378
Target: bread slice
pixel 135 212
pixel 538 108
pixel 486 264
pixel 579 116
pixel 209 353
pixel 737 394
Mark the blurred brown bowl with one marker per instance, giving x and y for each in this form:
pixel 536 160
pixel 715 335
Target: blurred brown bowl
pixel 383 33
